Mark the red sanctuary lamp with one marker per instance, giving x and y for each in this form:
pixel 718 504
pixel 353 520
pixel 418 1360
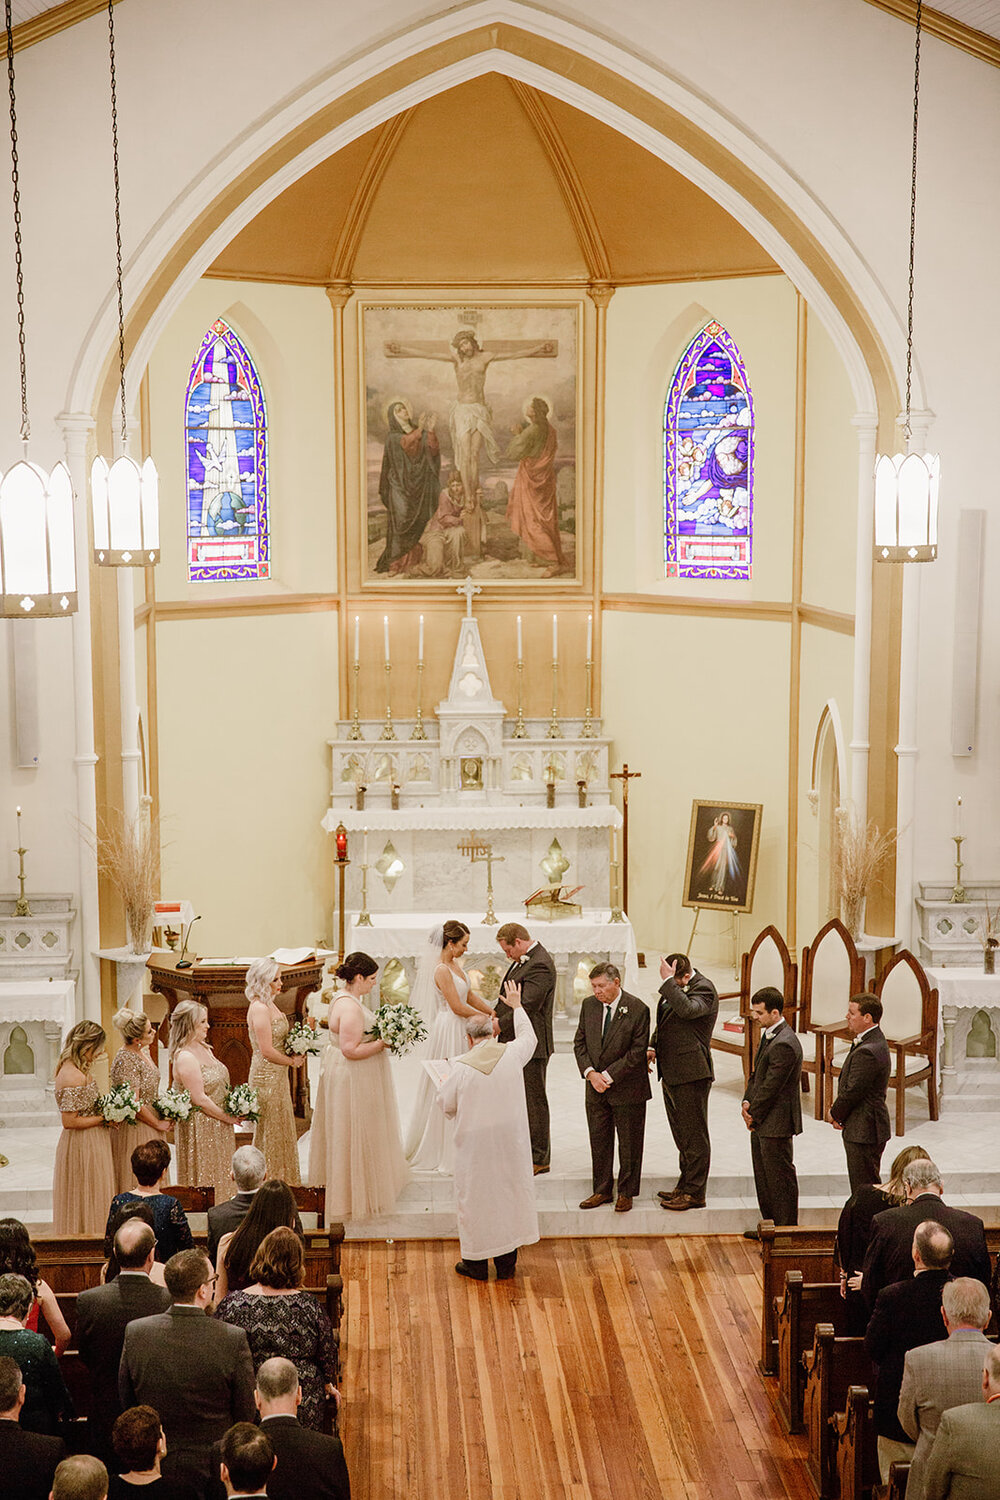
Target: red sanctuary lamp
pixel 342 861
pixel 341 837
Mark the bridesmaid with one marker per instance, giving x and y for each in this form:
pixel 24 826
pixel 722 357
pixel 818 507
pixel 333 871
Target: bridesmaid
pixel 207 1138
pixel 133 1064
pixel 83 1181
pixel 274 1133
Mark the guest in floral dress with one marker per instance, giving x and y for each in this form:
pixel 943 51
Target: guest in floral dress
pixel 207 1138
pixel 83 1181
pixel 268 1026
pixel 132 1064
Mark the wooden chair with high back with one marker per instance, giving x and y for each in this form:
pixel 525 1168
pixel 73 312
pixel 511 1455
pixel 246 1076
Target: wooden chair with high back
pixel 767 962
pixel 832 971
pixel 910 1026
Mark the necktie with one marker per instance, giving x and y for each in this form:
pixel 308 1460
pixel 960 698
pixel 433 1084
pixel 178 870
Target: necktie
pixel 605 1022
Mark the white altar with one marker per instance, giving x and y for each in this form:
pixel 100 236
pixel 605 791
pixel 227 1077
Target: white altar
pixel 969 1037
pixel 35 1015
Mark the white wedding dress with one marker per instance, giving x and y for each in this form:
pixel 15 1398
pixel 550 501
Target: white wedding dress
pixel 430 1140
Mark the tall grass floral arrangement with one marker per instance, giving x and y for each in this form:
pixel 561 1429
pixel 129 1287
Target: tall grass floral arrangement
pixel 861 852
pixel 126 854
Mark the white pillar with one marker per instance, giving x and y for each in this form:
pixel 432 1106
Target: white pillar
pixel 76 428
pixel 866 425
pixel 128 701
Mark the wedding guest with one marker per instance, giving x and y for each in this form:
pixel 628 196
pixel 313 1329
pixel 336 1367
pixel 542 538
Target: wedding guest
pixel 354 1144
pixel 274 1133
pixel 133 1065
pixel 46 1401
pixel 205 1140
pixel 17 1255
pixel 854 1230
pixel 80 1478
pixel 83 1180
pixel 140 1447
pixel 150 1165
pixel 275 1313
pixel 247 1460
pixel 310 1465
pixel 248 1171
pixel 27 1459
pixel 273 1208
pixel 128 1213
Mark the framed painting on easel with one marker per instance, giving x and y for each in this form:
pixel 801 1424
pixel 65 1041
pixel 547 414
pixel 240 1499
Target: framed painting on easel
pixel 722 855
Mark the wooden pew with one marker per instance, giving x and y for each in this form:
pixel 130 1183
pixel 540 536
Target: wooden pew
pixel 833 1365
pixel 898 1475
pixel 855 1446
pixel 809 1251
pixel 804 1305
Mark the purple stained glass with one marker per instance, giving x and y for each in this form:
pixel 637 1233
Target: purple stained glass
pixel 708 452
pixel 226 434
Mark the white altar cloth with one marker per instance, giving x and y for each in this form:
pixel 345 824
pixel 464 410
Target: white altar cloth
pixel 38 1000
pixel 474 816
pixel 965 987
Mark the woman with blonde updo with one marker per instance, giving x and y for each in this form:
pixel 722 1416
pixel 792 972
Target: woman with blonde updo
pixel 207 1138
pixel 268 1026
pixel 132 1064
pixel 83 1181
pixel 354 1144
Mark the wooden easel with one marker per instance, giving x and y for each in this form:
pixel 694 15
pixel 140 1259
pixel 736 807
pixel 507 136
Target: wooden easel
pixel 734 919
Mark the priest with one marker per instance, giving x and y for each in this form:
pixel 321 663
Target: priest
pixel 494 1186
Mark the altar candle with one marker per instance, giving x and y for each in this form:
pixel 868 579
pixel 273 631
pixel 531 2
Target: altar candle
pixel 958 819
pixel 520 643
pixel 385 630
pixel 590 637
pixel 555 637
pixel 357 640
pixel 420 641
pixel 365 854
pixel 614 846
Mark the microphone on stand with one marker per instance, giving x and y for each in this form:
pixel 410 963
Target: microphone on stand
pixel 182 962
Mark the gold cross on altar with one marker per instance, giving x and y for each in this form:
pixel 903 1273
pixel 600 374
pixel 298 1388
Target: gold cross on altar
pixel 478 850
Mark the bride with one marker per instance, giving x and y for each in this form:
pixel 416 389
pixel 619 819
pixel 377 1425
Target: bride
pixel 445 999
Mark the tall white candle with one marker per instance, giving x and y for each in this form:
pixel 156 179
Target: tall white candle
pixel 614 846
pixel 385 630
pixel 520 643
pixel 555 637
pixel 958 819
pixel 590 637
pixel 364 857
pixel 420 640
pixel 357 638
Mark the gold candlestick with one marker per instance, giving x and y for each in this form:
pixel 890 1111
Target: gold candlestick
pixel 21 909
pixel 388 733
pixel 588 732
pixel 364 915
pixel 520 733
pixel 554 732
pixel 419 733
pixel 958 889
pixel 355 733
pixel 617 915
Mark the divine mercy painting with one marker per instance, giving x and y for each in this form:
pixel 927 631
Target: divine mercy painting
pixel 722 855
pixel 470 442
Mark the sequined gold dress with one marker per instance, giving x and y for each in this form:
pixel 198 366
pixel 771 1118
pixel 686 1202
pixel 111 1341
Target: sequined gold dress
pixel 138 1069
pixel 83 1181
pixel 205 1146
pixel 274 1133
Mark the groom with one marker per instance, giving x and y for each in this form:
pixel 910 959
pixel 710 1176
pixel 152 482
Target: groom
pixel 533 969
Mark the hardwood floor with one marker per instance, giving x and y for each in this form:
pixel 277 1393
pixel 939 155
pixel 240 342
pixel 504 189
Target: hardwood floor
pixel 607 1369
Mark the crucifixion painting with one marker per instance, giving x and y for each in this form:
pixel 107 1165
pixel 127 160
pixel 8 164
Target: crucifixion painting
pixel 471 442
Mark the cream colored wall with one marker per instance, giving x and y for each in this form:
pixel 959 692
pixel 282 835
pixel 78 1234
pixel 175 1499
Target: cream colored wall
pixel 827 674
pixel 831 496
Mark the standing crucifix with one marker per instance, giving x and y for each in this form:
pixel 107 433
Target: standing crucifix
pixel 469 590
pixel 625 776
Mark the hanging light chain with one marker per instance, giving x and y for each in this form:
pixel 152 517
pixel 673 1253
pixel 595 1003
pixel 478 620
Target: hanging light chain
pixel 15 179
pixel 913 220
pixel 118 221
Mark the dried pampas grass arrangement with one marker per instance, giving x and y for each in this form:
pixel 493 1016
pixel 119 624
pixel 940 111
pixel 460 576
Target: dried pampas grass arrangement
pixel 861 853
pixel 126 854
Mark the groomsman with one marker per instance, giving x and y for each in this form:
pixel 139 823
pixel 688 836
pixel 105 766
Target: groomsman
pixel 859 1110
pixel 610 1047
pixel 533 969
pixel 772 1110
pixel 681 1049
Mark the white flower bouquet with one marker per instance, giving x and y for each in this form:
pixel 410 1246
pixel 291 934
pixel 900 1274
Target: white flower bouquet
pixel 399 1026
pixel 119 1105
pixel 173 1104
pixel 241 1102
pixel 302 1041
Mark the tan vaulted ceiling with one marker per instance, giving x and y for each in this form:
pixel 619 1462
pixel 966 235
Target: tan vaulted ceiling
pixel 492 181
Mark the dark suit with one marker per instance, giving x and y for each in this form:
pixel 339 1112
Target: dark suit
pixel 223 1218
pixel 310 1465
pixel 621 1110
pixel 102 1315
pixel 889 1256
pixel 196 1373
pixel 27 1461
pixel 536 974
pixel 773 1098
pixel 682 1040
pixel 860 1106
pixel 906 1315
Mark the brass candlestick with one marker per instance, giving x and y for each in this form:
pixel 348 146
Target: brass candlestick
pixel 364 915
pixel 617 915
pixel 419 733
pixel 588 732
pixel 958 889
pixel 21 909
pixel 554 732
pixel 520 733
pixel 355 733
pixel 388 733
pixel 342 864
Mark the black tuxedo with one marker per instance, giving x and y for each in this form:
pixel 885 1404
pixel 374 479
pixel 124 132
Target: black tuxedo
pixel 102 1315
pixel 889 1257
pixel 310 1464
pixel 28 1461
pixel 685 1019
pixel 223 1218
pixel 906 1315
pixel 621 1110
pixel 536 974
pixel 773 1099
pixel 860 1106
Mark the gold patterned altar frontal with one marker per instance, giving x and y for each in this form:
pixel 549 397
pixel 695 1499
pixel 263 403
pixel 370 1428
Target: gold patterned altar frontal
pixel 470 442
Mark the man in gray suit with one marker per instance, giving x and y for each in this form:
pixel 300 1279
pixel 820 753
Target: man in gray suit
pixel 194 1371
pixel 859 1108
pixel 937 1377
pixel 965 1459
pixel 772 1110
pixel 249 1171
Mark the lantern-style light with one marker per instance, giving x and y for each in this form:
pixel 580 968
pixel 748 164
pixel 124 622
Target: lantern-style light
pixel 126 513
pixel 37 561
pixel 906 507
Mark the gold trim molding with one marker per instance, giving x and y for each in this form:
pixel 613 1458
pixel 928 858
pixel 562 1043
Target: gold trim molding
pixel 977 43
pixel 59 18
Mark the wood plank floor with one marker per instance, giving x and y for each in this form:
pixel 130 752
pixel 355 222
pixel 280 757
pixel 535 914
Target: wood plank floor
pixel 607 1369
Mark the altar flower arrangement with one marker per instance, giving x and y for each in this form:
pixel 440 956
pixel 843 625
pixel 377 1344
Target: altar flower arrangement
pixel 399 1026
pixel 119 1105
pixel 241 1102
pixel 861 852
pixel 302 1041
pixel 173 1104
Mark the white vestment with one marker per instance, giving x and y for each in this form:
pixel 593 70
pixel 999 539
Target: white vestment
pixel 494 1183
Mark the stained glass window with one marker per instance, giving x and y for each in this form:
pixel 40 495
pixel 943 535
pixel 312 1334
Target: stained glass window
pixel 708 448
pixel 226 421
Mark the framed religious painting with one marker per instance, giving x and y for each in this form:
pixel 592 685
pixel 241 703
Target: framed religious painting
pixel 471 442
pixel 722 855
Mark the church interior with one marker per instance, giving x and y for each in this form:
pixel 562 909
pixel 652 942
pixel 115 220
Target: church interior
pixel 333 714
